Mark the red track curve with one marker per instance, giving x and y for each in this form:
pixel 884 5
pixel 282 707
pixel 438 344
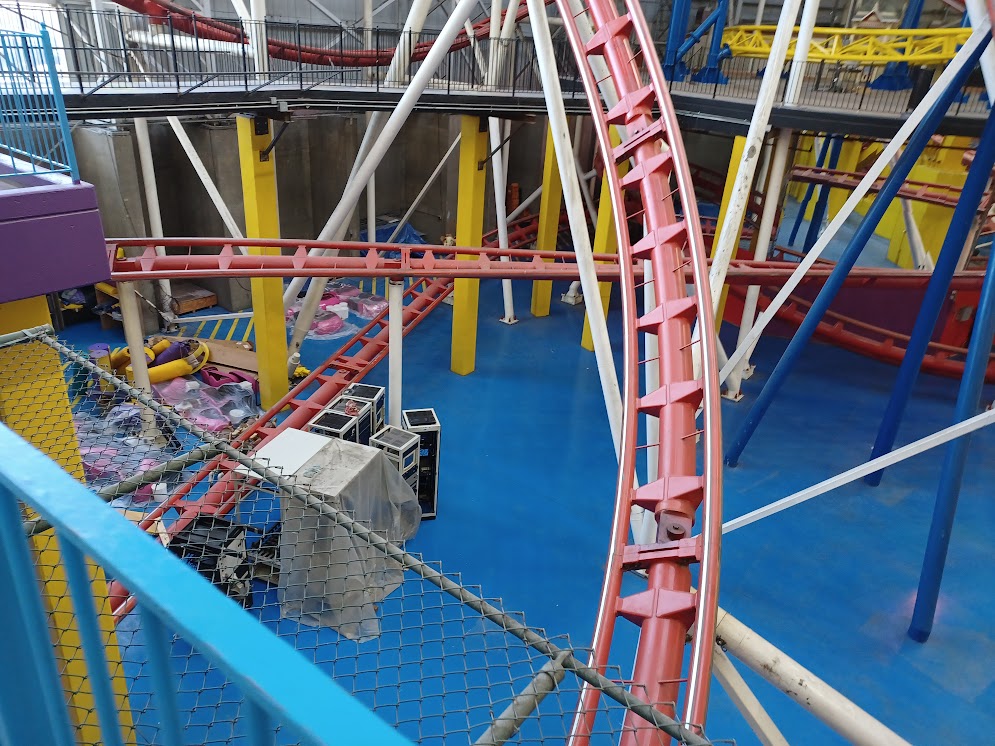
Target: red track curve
pixel 668 608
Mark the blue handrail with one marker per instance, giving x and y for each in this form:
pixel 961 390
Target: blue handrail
pixel 34 128
pixel 280 687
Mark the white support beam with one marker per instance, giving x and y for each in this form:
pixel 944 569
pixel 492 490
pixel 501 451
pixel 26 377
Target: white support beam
pixel 978 36
pixel 205 179
pixel 745 700
pixel 147 166
pixel 852 475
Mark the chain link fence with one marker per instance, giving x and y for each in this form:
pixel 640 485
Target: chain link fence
pixel 426 652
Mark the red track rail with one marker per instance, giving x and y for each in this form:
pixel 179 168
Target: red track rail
pixel 437 262
pixel 185 20
pixel 918 191
pixel 872 341
pixel 667 609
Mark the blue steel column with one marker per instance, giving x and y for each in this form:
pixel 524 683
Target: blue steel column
pixel 968 399
pixel 895 179
pixel 936 292
pixel 896 74
pixel 822 204
pixel 820 161
pixel 679 16
pixel 712 71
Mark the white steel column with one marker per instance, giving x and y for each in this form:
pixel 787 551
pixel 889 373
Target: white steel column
pixel 152 200
pixel 395 342
pixel 339 218
pixel 772 201
pixel 799 62
pixel 205 179
pixel 260 51
pixel 424 190
pixel 336 231
pixel 131 320
pixel 891 149
pixel 977 12
pixel 729 231
pixel 745 700
pixel 807 689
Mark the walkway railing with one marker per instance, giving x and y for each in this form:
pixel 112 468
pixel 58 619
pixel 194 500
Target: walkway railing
pixel 34 130
pixel 123 52
pixel 277 687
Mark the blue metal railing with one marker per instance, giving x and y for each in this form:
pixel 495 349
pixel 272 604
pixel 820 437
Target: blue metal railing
pixel 280 688
pixel 34 129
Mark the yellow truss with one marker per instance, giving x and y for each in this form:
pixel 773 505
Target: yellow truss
pixel 868 46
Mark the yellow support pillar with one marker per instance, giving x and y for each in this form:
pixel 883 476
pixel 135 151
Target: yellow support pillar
pixel 605 242
pixel 470 233
pixel 34 403
pixel 549 223
pixel 738 147
pixel 262 220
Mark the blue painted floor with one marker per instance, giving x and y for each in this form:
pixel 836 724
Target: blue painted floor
pixel 526 501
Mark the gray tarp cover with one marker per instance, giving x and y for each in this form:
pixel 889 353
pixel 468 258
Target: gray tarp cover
pixel 327 576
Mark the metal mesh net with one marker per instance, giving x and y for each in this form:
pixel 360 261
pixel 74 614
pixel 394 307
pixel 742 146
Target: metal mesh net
pixel 439 666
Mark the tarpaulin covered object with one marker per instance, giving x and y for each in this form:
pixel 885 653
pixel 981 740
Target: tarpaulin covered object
pixel 328 577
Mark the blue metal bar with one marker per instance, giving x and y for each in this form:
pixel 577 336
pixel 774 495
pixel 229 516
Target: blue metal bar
pixel 896 74
pixel 60 105
pixel 952 474
pixel 159 649
pixel 917 142
pixel 712 71
pixel 260 729
pixel 32 706
pixel 294 692
pixel 679 15
pixel 97 670
pixel 822 204
pixel 936 293
pixel 820 161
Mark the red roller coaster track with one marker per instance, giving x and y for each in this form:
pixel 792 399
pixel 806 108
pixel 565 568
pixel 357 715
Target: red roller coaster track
pixel 185 20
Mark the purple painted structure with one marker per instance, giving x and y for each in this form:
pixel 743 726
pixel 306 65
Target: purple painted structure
pixel 51 237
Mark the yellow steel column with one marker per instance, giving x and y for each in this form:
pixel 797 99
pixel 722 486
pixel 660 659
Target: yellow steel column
pixel 262 220
pixel 605 241
pixel 549 223
pixel 469 232
pixel 849 159
pixel 34 403
pixel 738 146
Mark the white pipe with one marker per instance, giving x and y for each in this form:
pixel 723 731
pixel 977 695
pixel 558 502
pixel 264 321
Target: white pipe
pixel 424 190
pixel 260 45
pixel 920 256
pixel 184 43
pixel 395 342
pixel 759 18
pixel 745 700
pixel 977 37
pixel 205 179
pixel 371 204
pixel 807 689
pixel 772 201
pixel 575 213
pixel 728 236
pixel 131 320
pixel 152 199
pixel 851 475
pixel 499 181
pixel 339 219
pixel 798 63
pixel 336 232
pixel 977 12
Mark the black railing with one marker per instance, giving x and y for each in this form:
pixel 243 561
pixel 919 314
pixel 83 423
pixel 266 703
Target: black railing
pixel 121 51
